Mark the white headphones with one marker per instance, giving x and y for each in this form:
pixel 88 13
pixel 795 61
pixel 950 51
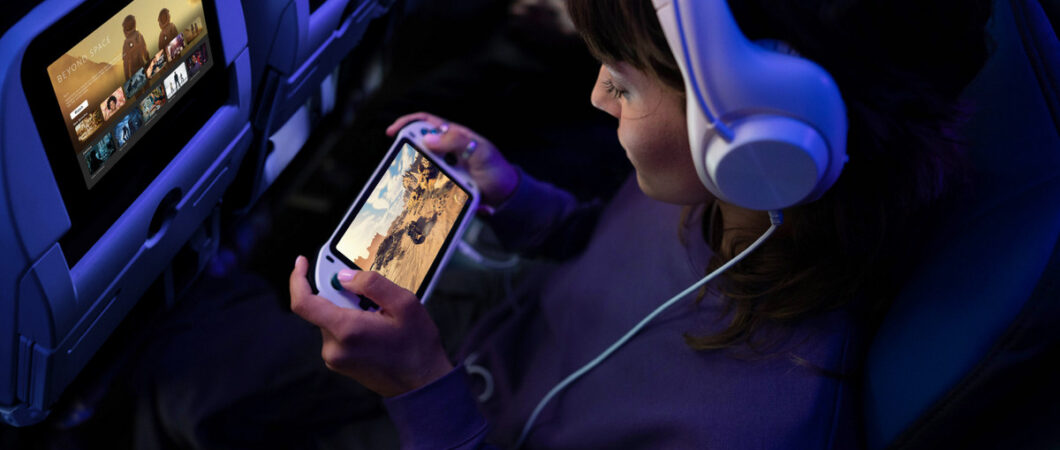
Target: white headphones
pixel 767 128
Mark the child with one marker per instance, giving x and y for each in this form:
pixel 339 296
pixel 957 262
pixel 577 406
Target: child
pixel 763 357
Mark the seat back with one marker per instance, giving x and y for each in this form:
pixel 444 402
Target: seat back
pixel 975 318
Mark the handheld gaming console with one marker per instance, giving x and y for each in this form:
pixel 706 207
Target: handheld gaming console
pixel 403 223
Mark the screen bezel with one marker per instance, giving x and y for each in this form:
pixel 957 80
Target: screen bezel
pixel 370 188
pixel 93 210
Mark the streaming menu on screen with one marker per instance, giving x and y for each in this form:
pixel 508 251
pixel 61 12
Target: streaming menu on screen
pixel 120 79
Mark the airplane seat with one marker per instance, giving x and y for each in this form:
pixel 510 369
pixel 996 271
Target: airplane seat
pixel 296 47
pixel 113 165
pixel 961 358
pixel 112 168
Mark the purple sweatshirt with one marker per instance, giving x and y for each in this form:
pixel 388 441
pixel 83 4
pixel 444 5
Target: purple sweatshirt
pixel 655 392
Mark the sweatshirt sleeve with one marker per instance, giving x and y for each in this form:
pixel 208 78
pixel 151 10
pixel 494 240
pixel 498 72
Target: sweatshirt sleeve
pixel 440 415
pixel 542 219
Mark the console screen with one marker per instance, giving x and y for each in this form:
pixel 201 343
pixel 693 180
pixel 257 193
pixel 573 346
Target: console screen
pixel 121 78
pixel 406 221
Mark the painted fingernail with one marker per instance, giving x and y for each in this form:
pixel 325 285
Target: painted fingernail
pixel 347 274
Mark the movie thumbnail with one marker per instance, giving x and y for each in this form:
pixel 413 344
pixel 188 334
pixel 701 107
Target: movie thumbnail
pixel 151 103
pixel 175 80
pixel 135 83
pixel 175 47
pixel 97 154
pixel 125 129
pixel 112 103
pixel 154 68
pixel 193 30
pixel 196 60
pixel 88 125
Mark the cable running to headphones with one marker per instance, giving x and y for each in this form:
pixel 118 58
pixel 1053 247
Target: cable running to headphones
pixel 775 219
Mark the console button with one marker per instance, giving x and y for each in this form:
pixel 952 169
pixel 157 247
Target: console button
pixel 335 283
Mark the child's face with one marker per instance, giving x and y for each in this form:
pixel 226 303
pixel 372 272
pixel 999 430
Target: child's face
pixel 653 131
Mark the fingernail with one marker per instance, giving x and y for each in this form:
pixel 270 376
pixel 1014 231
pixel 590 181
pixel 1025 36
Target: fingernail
pixel 297 259
pixel 432 138
pixel 347 274
pixel 444 128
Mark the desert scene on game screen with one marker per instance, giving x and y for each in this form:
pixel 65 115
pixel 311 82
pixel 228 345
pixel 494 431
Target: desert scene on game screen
pixel 432 204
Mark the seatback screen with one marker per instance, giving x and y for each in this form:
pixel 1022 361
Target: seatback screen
pixel 122 78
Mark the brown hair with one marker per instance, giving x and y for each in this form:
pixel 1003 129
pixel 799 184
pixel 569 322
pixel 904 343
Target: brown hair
pixel 905 155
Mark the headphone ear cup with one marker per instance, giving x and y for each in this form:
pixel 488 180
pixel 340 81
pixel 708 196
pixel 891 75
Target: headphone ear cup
pixel 772 162
pixel 767 128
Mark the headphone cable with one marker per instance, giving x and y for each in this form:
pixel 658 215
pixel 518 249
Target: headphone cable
pixel 775 219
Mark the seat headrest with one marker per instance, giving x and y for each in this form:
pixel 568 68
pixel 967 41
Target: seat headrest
pixel 983 266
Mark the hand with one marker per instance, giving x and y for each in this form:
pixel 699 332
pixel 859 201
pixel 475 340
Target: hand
pixel 391 351
pixel 495 177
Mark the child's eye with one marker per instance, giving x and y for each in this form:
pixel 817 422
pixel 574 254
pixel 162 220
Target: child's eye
pixel 614 91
